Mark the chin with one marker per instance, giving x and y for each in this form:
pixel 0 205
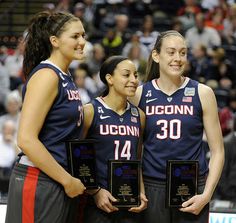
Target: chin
pixel 80 57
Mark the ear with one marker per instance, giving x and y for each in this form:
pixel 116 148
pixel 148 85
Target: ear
pixel 54 41
pixel 109 79
pixel 155 56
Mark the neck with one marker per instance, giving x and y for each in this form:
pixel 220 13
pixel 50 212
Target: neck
pixel 60 62
pixel 118 105
pixel 168 85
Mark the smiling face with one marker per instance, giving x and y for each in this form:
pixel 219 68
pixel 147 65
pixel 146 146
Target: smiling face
pixel 72 41
pixel 124 80
pixel 172 58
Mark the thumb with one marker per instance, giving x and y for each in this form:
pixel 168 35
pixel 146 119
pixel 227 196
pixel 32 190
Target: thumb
pixel 111 198
pixel 187 203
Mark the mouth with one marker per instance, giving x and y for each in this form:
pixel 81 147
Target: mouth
pixel 176 67
pixel 79 51
pixel 132 88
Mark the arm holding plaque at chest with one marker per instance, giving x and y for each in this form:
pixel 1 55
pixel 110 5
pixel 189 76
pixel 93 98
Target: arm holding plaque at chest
pixel 102 197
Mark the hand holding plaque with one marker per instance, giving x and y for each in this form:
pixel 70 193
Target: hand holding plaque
pixel 182 177
pixel 124 182
pixel 82 161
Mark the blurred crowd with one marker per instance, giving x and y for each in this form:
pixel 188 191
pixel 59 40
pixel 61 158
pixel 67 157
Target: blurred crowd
pixel 130 28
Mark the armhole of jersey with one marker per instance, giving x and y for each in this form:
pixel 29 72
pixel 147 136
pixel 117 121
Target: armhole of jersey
pixel 94 115
pixel 140 140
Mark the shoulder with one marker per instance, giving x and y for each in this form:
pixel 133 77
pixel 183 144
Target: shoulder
pixel 88 110
pixel 44 80
pixel 205 90
pixel 44 74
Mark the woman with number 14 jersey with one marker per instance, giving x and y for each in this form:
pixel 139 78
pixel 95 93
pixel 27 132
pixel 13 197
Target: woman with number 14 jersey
pixel 117 126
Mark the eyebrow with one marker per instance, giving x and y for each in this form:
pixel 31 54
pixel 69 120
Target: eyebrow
pixel 129 70
pixel 79 33
pixel 172 48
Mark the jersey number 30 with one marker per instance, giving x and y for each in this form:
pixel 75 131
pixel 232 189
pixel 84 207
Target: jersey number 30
pixel 169 129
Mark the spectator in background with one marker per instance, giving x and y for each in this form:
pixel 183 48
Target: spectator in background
pixel 221 69
pixel 97 58
pixel 229 33
pixel 227 184
pixel 8 148
pixel 147 34
pixel 92 81
pixel 135 39
pixel 80 75
pixel 122 29
pixel 63 6
pixel 8 153
pixel 135 55
pixel 4 86
pixel 199 34
pixel 227 113
pixel 187 12
pixel 12 106
pixel 199 63
pixel 79 11
pixel 13 64
pixel 215 20
pixel 177 25
pixel 112 43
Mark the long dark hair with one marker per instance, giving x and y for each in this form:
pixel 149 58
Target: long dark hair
pixel 152 70
pixel 37 43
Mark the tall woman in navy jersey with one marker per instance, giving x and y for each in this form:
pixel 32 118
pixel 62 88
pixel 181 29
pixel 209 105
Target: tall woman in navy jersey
pixel 177 110
pixel 117 126
pixel 41 189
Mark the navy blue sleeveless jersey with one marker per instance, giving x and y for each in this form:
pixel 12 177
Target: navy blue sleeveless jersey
pixel 65 117
pixel 117 136
pixel 174 128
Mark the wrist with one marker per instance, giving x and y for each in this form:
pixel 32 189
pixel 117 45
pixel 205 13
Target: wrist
pixel 96 192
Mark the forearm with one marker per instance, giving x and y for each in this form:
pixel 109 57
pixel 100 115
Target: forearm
pixel 215 169
pixel 142 189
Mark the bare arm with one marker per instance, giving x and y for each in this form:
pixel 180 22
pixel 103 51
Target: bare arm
pixel 214 138
pixel 88 118
pixel 143 198
pixel 102 197
pixel 215 141
pixel 41 91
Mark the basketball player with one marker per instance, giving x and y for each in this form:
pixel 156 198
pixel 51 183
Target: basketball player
pixel 41 189
pixel 177 110
pixel 117 126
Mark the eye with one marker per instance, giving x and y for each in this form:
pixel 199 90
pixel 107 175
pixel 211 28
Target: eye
pixel 183 53
pixel 171 53
pixel 75 36
pixel 84 36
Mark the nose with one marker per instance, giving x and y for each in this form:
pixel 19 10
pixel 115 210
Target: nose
pixel 82 41
pixel 177 56
pixel 133 78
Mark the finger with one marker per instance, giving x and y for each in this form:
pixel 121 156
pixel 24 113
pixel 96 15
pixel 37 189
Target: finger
pixel 111 207
pixel 134 209
pixel 111 198
pixel 187 203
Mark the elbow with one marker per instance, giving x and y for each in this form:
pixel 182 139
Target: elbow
pixel 23 141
